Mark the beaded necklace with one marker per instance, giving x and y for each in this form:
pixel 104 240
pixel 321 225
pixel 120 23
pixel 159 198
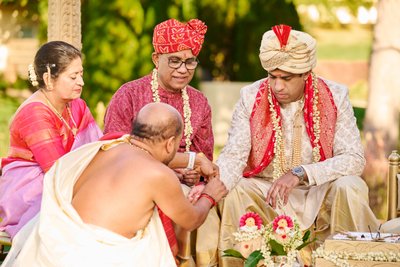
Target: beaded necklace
pixel 129 139
pixel 279 162
pixel 296 143
pixel 187 112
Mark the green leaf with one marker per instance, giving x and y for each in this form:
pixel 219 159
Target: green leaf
pixel 276 248
pixel 233 253
pixel 253 259
pixel 306 235
pixel 306 244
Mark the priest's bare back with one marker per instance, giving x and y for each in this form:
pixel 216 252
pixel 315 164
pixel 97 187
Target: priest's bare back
pixel 119 188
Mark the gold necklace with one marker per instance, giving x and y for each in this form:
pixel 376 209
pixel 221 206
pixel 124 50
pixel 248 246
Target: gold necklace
pixel 296 143
pixel 187 112
pixel 141 148
pixel 74 129
pixel 278 147
pixel 279 162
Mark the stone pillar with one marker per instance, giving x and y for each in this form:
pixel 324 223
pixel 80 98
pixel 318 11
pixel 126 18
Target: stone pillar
pixel 65 22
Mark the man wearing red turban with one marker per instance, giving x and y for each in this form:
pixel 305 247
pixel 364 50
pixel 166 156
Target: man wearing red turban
pixel 176 47
pixel 172 36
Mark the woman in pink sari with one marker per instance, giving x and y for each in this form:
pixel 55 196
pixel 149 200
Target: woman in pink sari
pixel 49 124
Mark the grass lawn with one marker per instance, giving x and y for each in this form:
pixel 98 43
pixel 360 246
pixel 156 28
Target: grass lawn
pixel 351 43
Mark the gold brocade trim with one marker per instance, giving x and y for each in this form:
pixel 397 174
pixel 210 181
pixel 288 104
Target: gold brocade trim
pixel 316 119
pixel 123 139
pixel 187 112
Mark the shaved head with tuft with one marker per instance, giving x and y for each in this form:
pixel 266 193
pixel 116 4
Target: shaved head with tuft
pixel 156 122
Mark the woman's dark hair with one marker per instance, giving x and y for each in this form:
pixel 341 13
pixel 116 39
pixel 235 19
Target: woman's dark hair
pixel 55 54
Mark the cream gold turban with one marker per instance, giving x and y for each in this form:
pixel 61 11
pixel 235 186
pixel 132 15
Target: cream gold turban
pixel 287 50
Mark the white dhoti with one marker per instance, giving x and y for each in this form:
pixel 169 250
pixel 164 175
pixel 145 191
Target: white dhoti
pixel 57 236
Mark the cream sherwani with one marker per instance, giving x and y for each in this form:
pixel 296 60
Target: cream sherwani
pixel 58 237
pixel 334 184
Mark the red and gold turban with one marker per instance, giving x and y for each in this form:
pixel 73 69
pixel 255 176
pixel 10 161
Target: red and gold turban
pixel 172 36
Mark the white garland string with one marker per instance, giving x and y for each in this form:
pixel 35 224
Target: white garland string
pixel 187 112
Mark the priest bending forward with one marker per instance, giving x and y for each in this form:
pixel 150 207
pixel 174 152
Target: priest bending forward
pixel 99 202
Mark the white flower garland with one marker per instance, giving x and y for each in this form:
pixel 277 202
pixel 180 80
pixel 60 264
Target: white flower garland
pixel 271 261
pixel 278 169
pixel 341 258
pixel 32 75
pixel 243 235
pixel 296 240
pixel 316 120
pixel 187 112
pixel 267 234
pixel 278 145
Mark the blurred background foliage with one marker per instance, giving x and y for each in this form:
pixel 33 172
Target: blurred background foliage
pixel 117 38
pixel 28 11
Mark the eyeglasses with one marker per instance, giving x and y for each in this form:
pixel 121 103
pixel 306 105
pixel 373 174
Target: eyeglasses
pixel 176 63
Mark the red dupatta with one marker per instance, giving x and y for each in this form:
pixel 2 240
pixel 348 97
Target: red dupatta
pixel 261 127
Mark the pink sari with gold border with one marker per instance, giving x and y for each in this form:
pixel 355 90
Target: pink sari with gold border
pixel 37 139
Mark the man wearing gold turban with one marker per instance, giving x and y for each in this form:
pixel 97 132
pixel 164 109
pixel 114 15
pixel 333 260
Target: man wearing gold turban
pixel 176 47
pixel 293 147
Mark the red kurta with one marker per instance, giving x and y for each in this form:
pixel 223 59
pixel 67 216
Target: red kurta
pixel 132 96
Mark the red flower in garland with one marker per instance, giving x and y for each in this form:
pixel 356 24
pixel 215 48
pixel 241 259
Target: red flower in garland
pixel 251 219
pixel 282 223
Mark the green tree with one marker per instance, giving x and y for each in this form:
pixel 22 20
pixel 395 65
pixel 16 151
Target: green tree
pixel 24 12
pixel 235 29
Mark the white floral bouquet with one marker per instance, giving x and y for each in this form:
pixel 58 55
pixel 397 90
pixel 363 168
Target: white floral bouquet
pixel 276 242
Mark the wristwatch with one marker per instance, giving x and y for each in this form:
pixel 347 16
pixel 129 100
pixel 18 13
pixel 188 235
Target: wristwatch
pixel 299 172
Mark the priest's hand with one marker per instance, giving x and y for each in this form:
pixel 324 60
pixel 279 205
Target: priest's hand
pixel 195 192
pixel 278 194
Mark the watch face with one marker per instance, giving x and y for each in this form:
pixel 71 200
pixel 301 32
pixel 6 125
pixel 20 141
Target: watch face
pixel 298 171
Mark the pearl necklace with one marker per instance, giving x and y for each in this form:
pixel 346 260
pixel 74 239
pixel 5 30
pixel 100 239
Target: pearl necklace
pixel 279 163
pixel 74 129
pixel 187 112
